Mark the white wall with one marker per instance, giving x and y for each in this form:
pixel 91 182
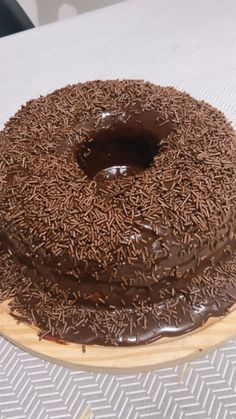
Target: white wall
pixel 45 11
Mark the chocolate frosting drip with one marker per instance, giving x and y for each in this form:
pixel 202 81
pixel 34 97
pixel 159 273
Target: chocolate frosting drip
pixel 115 198
pixel 60 317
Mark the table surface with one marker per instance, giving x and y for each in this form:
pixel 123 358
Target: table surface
pixel 187 44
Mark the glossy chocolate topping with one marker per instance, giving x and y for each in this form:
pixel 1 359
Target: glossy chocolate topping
pixel 116 199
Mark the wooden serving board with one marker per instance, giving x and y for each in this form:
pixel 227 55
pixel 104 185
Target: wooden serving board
pixel 165 352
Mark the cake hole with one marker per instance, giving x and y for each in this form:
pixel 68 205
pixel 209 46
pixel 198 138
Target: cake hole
pixel 113 153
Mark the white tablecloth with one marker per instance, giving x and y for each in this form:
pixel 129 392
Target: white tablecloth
pixel 186 43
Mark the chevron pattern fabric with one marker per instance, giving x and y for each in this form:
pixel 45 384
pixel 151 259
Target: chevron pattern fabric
pixel 34 389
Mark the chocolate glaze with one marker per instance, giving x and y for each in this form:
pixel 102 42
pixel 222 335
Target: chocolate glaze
pixel 122 146
pixel 106 294
pixel 155 264
pixel 186 317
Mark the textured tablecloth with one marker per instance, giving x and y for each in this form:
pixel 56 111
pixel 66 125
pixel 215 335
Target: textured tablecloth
pixel 185 43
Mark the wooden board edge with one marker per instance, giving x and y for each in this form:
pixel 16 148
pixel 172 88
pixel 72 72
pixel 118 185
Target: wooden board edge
pixel 160 354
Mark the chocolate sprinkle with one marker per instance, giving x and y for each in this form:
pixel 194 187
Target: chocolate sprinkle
pixel 117 213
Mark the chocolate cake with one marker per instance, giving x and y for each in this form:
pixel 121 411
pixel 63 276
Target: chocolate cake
pixel 117 213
